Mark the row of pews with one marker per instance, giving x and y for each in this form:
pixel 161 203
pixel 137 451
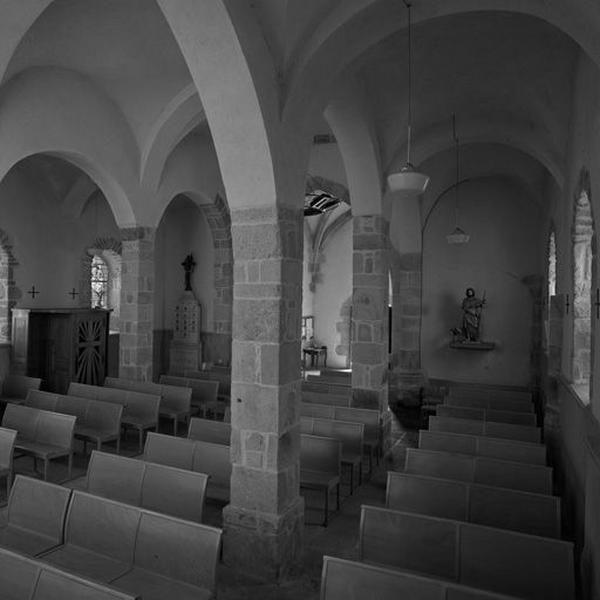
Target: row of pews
pixel 471 516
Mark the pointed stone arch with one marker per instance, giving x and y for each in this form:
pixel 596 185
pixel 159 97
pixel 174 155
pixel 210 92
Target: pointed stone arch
pixel 584 251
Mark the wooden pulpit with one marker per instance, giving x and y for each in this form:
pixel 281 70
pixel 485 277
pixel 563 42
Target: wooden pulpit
pixel 60 345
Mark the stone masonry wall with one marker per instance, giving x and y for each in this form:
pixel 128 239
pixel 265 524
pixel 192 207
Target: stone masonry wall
pixel 264 521
pixel 137 304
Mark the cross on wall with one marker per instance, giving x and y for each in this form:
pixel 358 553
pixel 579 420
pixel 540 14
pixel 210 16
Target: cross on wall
pixel 33 292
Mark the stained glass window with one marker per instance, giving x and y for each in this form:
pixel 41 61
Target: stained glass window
pixel 99 283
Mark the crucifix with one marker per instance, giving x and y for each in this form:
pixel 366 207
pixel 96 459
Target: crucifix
pixel 597 303
pixel 33 292
pixel 73 293
pixel 567 304
pixel 188 264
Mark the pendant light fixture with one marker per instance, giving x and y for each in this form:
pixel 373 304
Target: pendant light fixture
pixel 458 236
pixel 408 179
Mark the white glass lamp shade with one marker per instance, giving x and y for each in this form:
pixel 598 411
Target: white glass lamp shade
pixel 458 236
pixel 408 180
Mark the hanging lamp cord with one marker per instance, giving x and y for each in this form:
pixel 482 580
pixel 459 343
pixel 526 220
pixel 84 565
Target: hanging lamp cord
pixel 457 169
pixel 408 6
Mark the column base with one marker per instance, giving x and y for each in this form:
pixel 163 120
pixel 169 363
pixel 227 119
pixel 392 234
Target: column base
pixel 408 387
pixel 265 546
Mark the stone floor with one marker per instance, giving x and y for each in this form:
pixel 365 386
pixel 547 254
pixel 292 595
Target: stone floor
pixel 340 538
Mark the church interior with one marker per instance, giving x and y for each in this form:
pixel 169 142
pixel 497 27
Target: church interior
pixel 334 262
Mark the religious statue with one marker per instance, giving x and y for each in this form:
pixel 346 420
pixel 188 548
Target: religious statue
pixel 188 264
pixel 471 306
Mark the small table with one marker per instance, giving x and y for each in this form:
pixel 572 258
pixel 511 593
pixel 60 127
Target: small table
pixel 315 354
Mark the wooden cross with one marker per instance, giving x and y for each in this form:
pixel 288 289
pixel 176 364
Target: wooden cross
pixel 33 292
pixel 73 293
pixel 567 304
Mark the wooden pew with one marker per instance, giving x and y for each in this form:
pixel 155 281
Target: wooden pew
pixel 508 562
pixel 329 380
pixel 42 434
pixel 480 391
pixel 204 393
pixel 320 467
pixel 140 411
pixel 325 398
pixel 143 552
pixel 175 400
pixel 16 387
pixel 522 433
pixel 474 469
pixel 490 403
pixel 8 438
pixel 207 430
pixel 193 455
pixel 475 445
pixel 173 559
pixel 220 374
pixel 485 414
pixel 537 514
pixel 35 516
pixel 348 580
pixel 335 389
pixel 23 578
pixel 167 490
pixel 97 422
pixel 350 434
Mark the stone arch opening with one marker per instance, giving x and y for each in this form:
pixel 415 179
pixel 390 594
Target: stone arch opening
pixel 551 253
pixel 583 240
pixel 9 292
pixel 110 251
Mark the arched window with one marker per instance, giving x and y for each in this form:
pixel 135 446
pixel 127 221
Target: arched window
pixel 583 241
pixel 99 282
pixel 551 266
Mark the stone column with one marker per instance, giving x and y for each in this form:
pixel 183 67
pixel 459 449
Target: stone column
pixel 370 306
pixel 137 303
pixel 407 377
pixel 264 521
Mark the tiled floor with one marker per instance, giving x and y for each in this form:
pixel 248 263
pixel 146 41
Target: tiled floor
pixel 340 538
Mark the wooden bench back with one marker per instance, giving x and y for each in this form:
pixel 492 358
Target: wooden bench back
pixel 40 426
pixel 24 578
pixel 136 405
pixel 161 488
pixel 172 396
pixel 320 398
pixel 321 411
pixel 180 550
pixel 350 434
pixel 206 430
pixel 483 446
pixel 215 461
pixel 41 399
pixel 223 376
pixel 475 391
pixel 335 389
pixel 72 405
pixel 7 447
pixel 58 585
pixel 474 555
pixel 370 418
pixel 342 579
pixel 102 525
pixel 490 403
pixel 485 414
pixel 321 454
pixel 474 469
pixel 169 450
pixel 536 514
pixel 522 433
pixel 203 390
pixel 17 386
pixel 38 506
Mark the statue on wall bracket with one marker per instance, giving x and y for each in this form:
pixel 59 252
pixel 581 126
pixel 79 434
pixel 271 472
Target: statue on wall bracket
pixel 468 336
